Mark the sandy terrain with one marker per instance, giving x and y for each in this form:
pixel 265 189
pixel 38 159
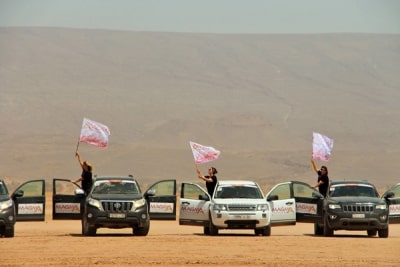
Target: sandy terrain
pixel 56 243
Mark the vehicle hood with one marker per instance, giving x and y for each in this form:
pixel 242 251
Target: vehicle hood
pixel 228 201
pixel 116 197
pixel 356 200
pixel 4 197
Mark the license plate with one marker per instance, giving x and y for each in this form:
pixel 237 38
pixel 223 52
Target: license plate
pixel 358 215
pixel 117 215
pixel 242 216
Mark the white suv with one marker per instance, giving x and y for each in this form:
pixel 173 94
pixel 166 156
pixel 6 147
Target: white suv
pixel 234 205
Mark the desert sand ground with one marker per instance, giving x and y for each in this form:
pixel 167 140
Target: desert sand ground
pixel 60 243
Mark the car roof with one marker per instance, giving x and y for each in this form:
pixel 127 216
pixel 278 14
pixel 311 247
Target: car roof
pixel 353 182
pixel 102 178
pixel 236 182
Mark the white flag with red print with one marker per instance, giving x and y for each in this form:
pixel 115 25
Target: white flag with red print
pixel 322 147
pixel 203 154
pixel 94 133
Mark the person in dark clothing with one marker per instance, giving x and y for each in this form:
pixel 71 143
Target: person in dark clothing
pixel 86 176
pixel 323 179
pixel 210 179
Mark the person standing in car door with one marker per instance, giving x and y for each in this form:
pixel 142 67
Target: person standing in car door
pixel 86 176
pixel 323 179
pixel 210 179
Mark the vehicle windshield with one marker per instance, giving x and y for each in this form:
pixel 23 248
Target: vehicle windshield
pixel 115 187
pixel 353 191
pixel 3 190
pixel 238 192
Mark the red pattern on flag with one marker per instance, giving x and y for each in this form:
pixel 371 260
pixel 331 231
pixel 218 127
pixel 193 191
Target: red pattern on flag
pixel 203 154
pixel 322 147
pixel 94 133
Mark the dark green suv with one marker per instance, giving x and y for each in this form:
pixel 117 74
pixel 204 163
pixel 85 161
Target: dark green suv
pixel 355 205
pixel 7 212
pixel 115 202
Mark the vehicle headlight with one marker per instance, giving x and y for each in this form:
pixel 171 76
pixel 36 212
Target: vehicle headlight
pixel 95 203
pixel 5 204
pixel 219 207
pixel 334 206
pixel 381 207
pixel 138 203
pixel 262 207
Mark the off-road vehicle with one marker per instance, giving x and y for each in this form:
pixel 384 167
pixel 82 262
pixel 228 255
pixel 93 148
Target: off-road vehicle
pixel 355 205
pixel 7 212
pixel 234 205
pixel 115 202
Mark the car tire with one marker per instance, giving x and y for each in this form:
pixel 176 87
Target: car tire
pixel 87 229
pixel 206 230
pixel 384 233
pixel 327 230
pixel 266 231
pixel 9 231
pixel 213 228
pixel 371 233
pixel 318 229
pixel 141 231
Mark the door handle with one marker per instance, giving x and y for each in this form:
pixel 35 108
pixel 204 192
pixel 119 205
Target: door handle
pixel 289 203
pixel 185 203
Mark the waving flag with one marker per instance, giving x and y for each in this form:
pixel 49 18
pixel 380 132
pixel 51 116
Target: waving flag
pixel 322 147
pixel 94 133
pixel 203 154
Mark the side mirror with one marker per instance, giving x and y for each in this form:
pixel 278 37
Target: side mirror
pixel 272 198
pixel 79 192
pixel 389 194
pixel 18 193
pixel 204 197
pixel 316 194
pixel 150 192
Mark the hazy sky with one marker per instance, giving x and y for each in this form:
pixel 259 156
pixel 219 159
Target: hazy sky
pixel 213 16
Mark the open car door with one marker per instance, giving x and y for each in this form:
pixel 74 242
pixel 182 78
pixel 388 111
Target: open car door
pixel 66 204
pixel 30 201
pixel 283 205
pixel 161 198
pixel 194 203
pixel 392 197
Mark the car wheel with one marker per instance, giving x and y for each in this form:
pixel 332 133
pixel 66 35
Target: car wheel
pixel 327 230
pixel 371 233
pixel 87 229
pixel 266 231
pixel 206 230
pixel 9 231
pixel 383 232
pixel 213 228
pixel 318 229
pixel 141 231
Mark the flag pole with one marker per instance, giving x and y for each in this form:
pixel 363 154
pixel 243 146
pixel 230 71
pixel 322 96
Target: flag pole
pixel 77 145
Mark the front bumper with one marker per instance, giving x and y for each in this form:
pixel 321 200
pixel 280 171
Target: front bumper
pixel 240 220
pixel 358 221
pixel 98 218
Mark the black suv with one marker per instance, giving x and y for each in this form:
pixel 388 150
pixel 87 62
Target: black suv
pixel 7 212
pixel 115 202
pixel 354 205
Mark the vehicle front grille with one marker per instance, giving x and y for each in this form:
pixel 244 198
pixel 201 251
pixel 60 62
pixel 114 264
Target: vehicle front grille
pixel 116 206
pixel 358 208
pixel 242 207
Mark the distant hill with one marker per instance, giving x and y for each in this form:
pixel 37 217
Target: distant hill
pixel 257 98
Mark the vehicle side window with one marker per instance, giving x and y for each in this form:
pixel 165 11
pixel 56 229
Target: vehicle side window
pixel 301 190
pixel 281 191
pixel 163 188
pixel 396 191
pixel 191 191
pixel 32 189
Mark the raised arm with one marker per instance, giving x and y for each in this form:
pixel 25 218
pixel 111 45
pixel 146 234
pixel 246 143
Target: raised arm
pixel 314 165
